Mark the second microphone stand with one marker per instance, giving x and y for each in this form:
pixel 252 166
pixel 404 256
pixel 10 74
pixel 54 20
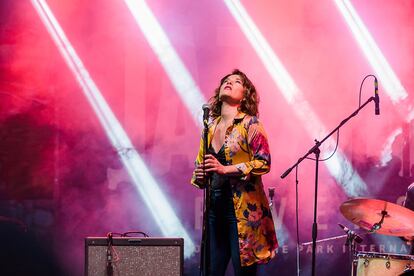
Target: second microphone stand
pixel 315 150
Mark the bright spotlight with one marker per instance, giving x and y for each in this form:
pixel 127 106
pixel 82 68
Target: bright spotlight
pixel 177 72
pixel 339 166
pixel 379 64
pixel 153 197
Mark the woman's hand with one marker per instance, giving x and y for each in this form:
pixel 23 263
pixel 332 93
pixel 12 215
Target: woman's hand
pixel 212 165
pixel 199 174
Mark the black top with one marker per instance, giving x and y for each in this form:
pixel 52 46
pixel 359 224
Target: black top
pixel 217 181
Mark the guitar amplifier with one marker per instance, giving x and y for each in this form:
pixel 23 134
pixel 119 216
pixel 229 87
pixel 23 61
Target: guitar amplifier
pixel 134 256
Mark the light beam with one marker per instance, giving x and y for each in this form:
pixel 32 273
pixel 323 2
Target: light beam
pixel 339 166
pixel 152 195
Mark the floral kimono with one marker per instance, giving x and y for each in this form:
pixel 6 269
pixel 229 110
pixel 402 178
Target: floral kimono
pixel 246 147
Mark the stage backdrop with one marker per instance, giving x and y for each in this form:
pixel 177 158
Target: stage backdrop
pixel 101 102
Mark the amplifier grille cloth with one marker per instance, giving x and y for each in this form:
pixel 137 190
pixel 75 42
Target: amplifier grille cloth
pixel 136 260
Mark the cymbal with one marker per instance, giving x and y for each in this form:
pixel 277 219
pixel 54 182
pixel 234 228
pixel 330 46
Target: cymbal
pixel 367 213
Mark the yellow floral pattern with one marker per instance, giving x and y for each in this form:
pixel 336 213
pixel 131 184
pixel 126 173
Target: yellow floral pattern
pixel 247 148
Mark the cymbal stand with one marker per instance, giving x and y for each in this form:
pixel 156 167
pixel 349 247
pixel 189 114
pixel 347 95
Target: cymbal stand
pixel 377 226
pixel 351 239
pixel 350 242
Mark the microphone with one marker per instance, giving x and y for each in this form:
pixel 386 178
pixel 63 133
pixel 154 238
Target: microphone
pixel 376 97
pixel 348 231
pixel 206 112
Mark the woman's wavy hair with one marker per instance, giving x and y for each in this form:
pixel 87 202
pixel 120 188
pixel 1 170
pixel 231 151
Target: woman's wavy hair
pixel 250 102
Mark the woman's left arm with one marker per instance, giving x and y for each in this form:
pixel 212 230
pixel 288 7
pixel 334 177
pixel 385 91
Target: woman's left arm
pixel 259 150
pixel 258 146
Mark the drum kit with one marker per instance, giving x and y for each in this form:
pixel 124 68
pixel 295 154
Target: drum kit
pixel 381 217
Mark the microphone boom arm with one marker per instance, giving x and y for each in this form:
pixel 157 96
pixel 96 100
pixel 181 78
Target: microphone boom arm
pixel 317 143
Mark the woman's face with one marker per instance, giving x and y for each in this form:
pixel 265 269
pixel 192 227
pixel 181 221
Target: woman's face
pixel 232 90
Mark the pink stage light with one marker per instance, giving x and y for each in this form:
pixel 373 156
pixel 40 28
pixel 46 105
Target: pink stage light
pixel 179 75
pixel 372 52
pixel 339 166
pixel 386 75
pixel 144 182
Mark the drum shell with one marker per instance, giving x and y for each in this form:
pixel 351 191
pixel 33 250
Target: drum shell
pixel 373 264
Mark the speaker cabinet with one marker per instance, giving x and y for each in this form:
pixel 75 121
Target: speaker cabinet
pixel 134 256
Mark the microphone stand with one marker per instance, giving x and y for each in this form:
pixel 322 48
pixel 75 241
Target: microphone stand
pixel 315 150
pixel 205 246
